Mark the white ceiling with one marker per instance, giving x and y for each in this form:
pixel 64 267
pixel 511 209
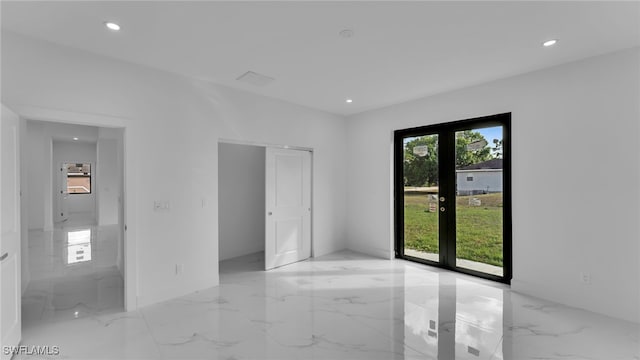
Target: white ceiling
pixel 400 50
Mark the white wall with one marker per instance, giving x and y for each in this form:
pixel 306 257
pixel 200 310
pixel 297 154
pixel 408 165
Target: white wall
pixel 576 170
pixel 108 174
pixel 241 199
pixel 37 160
pixel 74 152
pixel 172 120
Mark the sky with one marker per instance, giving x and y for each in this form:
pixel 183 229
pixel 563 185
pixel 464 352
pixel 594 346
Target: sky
pixel 491 133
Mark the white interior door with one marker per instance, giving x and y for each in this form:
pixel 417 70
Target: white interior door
pixel 63 193
pixel 288 206
pixel 10 318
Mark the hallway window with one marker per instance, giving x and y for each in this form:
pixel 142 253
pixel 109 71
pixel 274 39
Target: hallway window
pixel 79 178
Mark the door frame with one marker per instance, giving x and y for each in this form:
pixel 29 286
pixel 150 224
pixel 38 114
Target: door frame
pixel 277 146
pixel 28 112
pixel 61 198
pixel 447 253
pixel 12 249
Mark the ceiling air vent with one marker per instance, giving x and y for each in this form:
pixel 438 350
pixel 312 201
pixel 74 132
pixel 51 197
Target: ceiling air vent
pixel 253 78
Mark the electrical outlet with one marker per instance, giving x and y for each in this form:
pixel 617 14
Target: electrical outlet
pixel 585 278
pixel 179 269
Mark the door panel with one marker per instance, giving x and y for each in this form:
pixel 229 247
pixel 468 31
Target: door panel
pixel 421 193
pixel 452 188
pixel 479 200
pixel 288 236
pixel 288 172
pixel 288 206
pixel 10 320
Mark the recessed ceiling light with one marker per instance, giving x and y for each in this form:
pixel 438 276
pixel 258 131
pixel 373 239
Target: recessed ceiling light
pixel 549 42
pixel 112 26
pixel 75 138
pixel 349 101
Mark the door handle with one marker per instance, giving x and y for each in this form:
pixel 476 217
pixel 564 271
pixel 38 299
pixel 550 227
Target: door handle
pixel 4 256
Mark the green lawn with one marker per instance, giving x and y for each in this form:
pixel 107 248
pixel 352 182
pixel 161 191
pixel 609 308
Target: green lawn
pixel 479 228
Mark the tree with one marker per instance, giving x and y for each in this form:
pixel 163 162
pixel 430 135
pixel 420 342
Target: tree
pixel 423 170
pixel 497 148
pixel 465 157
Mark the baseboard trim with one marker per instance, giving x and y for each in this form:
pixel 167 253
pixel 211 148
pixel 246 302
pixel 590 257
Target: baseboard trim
pixel 376 252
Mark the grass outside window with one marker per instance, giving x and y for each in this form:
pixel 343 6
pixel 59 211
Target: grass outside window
pixel 479 228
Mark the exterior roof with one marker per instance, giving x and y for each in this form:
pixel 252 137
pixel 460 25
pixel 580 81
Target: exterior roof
pixel 489 164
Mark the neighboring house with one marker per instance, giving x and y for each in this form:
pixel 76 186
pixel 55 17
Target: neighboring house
pixel 480 178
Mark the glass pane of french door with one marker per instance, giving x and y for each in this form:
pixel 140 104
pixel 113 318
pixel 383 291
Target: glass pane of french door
pixel 479 200
pixel 421 191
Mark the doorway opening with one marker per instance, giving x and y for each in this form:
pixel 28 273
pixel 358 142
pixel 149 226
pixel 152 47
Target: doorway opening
pixel 453 196
pixel 73 247
pixel 264 205
pixel 241 199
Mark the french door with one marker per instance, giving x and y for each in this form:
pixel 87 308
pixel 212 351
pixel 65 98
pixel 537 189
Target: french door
pixel 453 195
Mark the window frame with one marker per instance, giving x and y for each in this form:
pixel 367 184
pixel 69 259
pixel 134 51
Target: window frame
pixel 90 176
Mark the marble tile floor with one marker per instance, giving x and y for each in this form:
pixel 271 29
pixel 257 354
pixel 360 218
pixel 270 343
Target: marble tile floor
pixel 343 306
pixel 74 274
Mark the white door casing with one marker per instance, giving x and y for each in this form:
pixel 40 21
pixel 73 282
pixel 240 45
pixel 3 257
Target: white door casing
pixel 288 206
pixel 63 193
pixel 10 285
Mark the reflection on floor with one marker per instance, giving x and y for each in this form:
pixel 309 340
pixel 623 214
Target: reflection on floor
pixel 345 306
pixel 74 274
